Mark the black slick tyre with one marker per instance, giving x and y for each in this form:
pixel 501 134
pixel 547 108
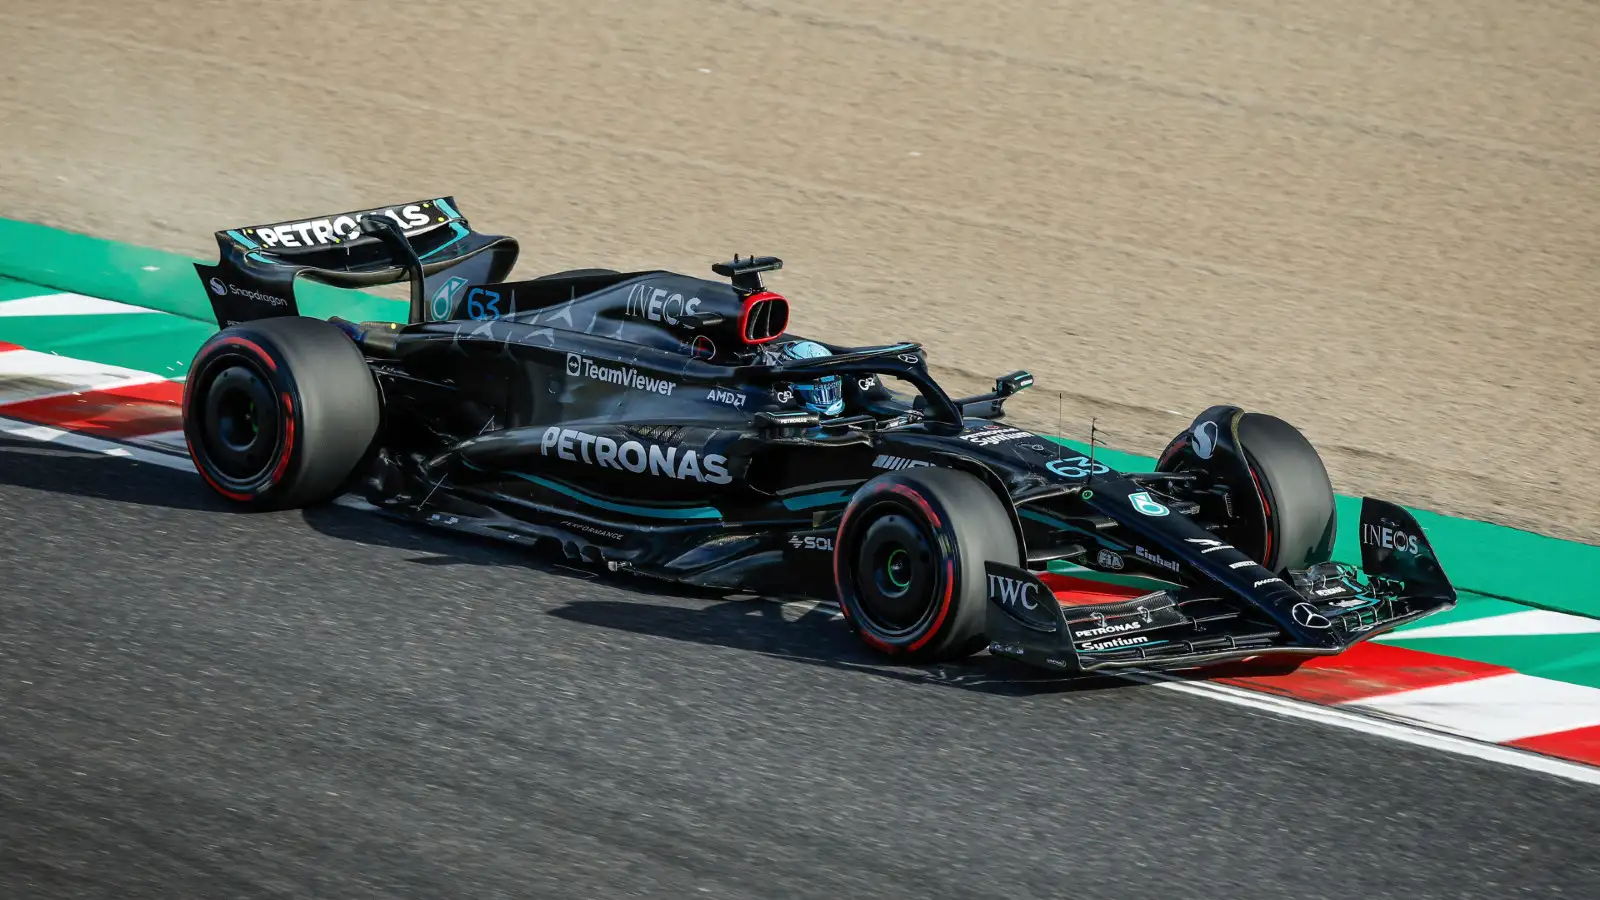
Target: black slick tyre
pixel 1295 491
pixel 278 412
pixel 909 562
pixel 1281 508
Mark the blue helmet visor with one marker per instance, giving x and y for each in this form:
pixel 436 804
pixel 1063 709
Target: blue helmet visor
pixel 824 397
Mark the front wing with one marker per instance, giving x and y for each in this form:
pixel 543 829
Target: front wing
pixel 1061 623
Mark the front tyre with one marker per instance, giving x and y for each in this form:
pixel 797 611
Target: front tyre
pixel 1279 507
pixel 278 412
pixel 908 562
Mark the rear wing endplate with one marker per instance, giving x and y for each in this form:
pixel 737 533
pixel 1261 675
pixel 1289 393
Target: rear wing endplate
pixel 255 275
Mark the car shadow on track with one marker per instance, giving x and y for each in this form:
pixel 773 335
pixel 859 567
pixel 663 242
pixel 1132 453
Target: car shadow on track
pixel 808 633
pixel 814 637
pixel 82 473
pixel 817 637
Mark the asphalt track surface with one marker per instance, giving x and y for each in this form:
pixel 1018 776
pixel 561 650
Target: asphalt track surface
pixel 202 703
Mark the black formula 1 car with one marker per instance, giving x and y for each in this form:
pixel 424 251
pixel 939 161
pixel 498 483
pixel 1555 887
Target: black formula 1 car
pixel 670 426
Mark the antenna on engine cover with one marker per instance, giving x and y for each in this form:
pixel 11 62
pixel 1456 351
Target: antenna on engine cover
pixel 1061 404
pixel 1090 473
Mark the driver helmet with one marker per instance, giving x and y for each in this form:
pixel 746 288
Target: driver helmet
pixel 825 396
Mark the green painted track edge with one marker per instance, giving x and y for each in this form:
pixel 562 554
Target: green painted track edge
pixel 154 279
pixel 1488 559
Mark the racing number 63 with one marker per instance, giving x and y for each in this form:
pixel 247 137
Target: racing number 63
pixel 1076 467
pixel 477 309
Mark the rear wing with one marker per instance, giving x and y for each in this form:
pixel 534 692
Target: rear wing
pixel 427 241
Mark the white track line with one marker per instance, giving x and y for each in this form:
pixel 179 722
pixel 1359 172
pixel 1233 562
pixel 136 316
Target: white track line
pixel 1500 708
pixel 68 305
pixel 1371 723
pixel 63 438
pixel 22 371
pixel 1529 623
pixel 1403 732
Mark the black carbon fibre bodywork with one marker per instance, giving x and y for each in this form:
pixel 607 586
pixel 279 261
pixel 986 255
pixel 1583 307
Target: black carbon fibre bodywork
pixel 633 419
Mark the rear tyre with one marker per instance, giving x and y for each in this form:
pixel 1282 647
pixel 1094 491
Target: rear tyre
pixel 278 412
pixel 1279 505
pixel 909 562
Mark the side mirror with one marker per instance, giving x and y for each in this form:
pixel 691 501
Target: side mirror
pixel 1016 382
pixel 991 405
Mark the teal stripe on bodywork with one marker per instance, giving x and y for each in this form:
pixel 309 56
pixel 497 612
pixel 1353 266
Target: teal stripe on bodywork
pixel 812 501
pixel 1054 522
pixel 654 512
pixel 461 232
pixel 1141 582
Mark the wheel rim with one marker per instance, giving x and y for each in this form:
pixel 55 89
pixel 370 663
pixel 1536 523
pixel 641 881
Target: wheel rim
pixel 897 575
pixel 1248 534
pixel 241 431
pixel 898 568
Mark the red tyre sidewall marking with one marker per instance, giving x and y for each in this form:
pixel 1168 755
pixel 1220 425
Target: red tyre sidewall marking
pixel 1266 510
pixel 927 510
pixel 261 356
pixel 949 566
pixel 838 557
pixel 839 575
pixel 253 347
pixel 231 495
pixel 839 584
pixel 288 441
pixel 1172 451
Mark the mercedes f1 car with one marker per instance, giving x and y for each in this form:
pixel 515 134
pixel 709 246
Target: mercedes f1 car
pixel 671 426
